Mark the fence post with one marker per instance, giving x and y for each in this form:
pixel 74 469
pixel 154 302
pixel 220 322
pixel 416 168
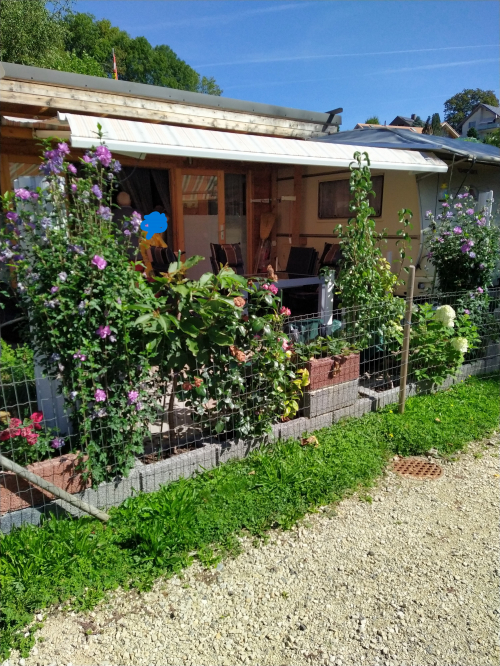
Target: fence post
pixel 406 339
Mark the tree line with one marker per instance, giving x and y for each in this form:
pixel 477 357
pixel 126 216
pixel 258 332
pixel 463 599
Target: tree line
pixel 51 35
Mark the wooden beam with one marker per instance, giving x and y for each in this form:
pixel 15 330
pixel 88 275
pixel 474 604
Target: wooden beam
pixel 5 182
pixel 250 221
pixel 16 132
pixel 274 210
pixel 297 204
pixel 177 210
pixel 221 206
pixel 128 107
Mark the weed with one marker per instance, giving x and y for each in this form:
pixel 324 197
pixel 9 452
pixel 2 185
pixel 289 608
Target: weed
pixel 76 562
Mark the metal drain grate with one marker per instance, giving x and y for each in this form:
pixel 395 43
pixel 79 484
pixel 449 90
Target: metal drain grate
pixel 417 468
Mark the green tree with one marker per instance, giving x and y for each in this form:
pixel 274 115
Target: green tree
pixel 30 34
pixel 372 120
pixel 472 132
pixel 436 128
pixel 458 107
pixel 427 127
pixel 136 59
pixel 418 122
pixel 35 32
pixel 493 138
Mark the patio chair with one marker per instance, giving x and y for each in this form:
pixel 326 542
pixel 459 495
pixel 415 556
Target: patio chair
pixel 301 261
pixel 228 253
pixel 160 259
pixel 331 257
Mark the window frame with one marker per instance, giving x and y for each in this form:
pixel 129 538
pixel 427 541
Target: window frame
pixel 343 217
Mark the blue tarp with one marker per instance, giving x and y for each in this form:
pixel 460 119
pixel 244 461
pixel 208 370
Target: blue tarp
pixel 408 140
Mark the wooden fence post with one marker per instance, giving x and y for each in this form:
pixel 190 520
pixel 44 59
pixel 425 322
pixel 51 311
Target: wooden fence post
pixel 406 339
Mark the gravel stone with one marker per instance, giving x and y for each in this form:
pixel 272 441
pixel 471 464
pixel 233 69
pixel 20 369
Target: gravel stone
pixel 427 594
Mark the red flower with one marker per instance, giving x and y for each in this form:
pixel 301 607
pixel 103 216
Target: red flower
pixel 31 438
pixel 13 423
pixel 36 417
pixel 4 435
pixel 26 432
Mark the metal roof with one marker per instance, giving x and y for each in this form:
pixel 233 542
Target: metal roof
pixel 97 83
pixel 128 136
pixel 402 139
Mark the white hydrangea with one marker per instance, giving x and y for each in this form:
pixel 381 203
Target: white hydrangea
pixel 446 315
pixel 460 344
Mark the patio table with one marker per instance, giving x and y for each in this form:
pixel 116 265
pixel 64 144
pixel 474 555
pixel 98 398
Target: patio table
pixel 294 280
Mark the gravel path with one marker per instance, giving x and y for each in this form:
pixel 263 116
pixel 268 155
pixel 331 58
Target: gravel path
pixel 410 578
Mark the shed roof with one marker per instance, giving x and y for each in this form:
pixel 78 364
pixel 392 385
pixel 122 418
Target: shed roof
pixel 402 139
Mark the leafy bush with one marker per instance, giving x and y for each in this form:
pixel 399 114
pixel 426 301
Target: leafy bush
pixel 438 342
pixel 233 369
pixel 75 279
pixel 464 247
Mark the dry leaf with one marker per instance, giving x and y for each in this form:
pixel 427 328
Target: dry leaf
pixel 309 441
pixel 438 420
pixel 252 472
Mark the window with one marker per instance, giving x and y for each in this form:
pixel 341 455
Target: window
pixel 334 197
pixel 472 124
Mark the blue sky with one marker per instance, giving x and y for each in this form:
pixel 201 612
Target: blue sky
pixel 369 57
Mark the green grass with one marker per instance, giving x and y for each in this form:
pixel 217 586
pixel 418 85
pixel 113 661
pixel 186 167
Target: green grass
pixel 75 562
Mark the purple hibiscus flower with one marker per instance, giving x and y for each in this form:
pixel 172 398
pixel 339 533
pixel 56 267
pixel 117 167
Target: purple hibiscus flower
pixel 132 397
pixel 103 155
pixel 57 443
pixel 469 211
pixel 466 311
pixel 100 395
pixel 481 222
pixel 23 194
pixel 100 262
pixel 11 215
pixel 54 290
pixel 472 255
pixel 116 166
pixel 103 331
pixel 480 290
pixel 105 212
pixel 72 168
pixel 96 191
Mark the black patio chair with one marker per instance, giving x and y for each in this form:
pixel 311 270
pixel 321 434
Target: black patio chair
pixel 228 253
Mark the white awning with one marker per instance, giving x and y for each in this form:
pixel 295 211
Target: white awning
pixel 129 136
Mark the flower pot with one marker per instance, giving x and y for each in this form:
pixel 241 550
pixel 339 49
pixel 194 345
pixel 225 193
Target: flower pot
pixel 332 370
pixel 16 493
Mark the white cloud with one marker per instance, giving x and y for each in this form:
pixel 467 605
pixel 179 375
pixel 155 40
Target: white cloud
pixel 295 58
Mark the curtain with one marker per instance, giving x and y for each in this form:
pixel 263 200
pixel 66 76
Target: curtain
pixel 137 182
pixel 161 180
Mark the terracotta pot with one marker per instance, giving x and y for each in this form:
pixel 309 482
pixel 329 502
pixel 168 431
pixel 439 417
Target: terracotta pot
pixel 332 370
pixel 16 493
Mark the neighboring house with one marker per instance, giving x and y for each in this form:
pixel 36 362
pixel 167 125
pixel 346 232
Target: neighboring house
pixel 453 134
pixel 216 165
pixel 472 165
pixel 484 118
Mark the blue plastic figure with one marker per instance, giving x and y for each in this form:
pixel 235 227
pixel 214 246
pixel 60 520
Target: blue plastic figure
pixel 154 223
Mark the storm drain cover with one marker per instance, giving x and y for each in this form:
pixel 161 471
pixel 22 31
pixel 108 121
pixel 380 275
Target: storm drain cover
pixel 417 468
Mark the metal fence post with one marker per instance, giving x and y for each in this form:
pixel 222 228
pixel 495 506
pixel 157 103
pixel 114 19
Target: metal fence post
pixel 406 339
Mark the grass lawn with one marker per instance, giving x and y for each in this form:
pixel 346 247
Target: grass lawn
pixel 77 561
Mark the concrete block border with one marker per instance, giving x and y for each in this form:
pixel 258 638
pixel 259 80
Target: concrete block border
pixel 147 478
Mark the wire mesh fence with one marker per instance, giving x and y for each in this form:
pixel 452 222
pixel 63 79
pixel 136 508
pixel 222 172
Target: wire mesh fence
pixel 339 363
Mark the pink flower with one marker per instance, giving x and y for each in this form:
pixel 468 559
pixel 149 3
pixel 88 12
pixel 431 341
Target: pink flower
pixel 103 331
pixel 73 187
pixel 103 155
pixel 480 290
pixel 34 196
pixel 470 211
pixel 100 395
pixel 482 222
pixel 99 262
pixel 285 311
pixel 63 148
pixel 23 194
pixel 457 230
pixel 132 397
pixel 72 168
